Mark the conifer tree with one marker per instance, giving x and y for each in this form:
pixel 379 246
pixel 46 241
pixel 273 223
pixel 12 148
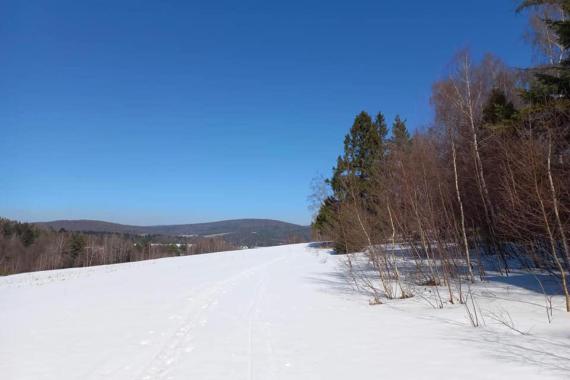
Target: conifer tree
pixel 364 149
pixel 400 135
pixel 498 109
pixel 552 81
pixel 77 244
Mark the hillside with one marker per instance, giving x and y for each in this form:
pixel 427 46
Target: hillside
pixel 284 312
pixel 250 232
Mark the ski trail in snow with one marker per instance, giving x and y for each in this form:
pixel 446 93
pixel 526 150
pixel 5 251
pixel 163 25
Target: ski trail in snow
pixel 253 311
pixel 178 343
pixel 173 347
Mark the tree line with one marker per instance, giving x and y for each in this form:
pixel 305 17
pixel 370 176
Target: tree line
pixel 24 247
pixel 489 179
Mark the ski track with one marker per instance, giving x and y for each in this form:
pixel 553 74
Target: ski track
pixel 253 313
pixel 170 353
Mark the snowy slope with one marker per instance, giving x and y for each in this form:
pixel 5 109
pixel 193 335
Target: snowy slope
pixel 273 313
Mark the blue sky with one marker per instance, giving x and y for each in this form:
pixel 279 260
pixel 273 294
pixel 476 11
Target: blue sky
pixel 152 112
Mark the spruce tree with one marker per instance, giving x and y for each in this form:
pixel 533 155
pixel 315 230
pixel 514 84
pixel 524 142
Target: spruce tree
pixel 361 146
pixel 77 244
pixel 382 131
pixel 325 218
pixel 400 135
pixel 548 96
pixel 552 81
pixel 364 149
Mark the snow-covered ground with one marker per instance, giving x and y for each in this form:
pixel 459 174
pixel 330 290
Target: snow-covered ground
pixel 273 313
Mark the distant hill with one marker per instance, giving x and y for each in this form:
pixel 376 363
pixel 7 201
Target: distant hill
pixel 250 232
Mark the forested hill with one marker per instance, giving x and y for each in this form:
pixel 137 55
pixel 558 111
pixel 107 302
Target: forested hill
pixel 251 232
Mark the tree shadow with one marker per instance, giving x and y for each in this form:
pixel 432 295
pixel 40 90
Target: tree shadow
pixel 321 245
pixel 526 350
pixel 547 353
pixel 540 283
pixel 338 282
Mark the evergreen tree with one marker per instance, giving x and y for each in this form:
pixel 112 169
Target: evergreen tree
pixel 400 135
pixel 325 218
pixel 77 244
pixel 26 232
pixel 28 235
pixel 337 181
pixel 498 112
pixel 552 81
pixel 548 98
pixel 364 149
pixel 362 145
pixel 382 132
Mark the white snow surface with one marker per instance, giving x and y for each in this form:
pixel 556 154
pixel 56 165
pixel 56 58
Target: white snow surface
pixel 271 313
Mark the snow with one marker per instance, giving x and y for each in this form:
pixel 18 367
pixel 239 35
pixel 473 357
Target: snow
pixel 284 312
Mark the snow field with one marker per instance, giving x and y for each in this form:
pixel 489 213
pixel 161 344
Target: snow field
pixel 283 312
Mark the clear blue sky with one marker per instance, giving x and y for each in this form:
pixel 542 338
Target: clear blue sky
pixel 151 112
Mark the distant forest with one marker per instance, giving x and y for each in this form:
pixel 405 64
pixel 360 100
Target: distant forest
pixel 490 178
pixel 25 247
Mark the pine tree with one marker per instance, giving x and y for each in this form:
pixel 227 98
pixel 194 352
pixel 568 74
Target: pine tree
pixel 498 112
pixel 77 244
pixel 28 235
pixel 325 218
pixel 361 146
pixel 548 97
pixel 337 182
pixel 400 135
pixel 552 81
pixel 382 131
pixel 364 149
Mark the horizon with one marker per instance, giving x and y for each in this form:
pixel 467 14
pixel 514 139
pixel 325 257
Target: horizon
pixel 163 225
pixel 178 113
